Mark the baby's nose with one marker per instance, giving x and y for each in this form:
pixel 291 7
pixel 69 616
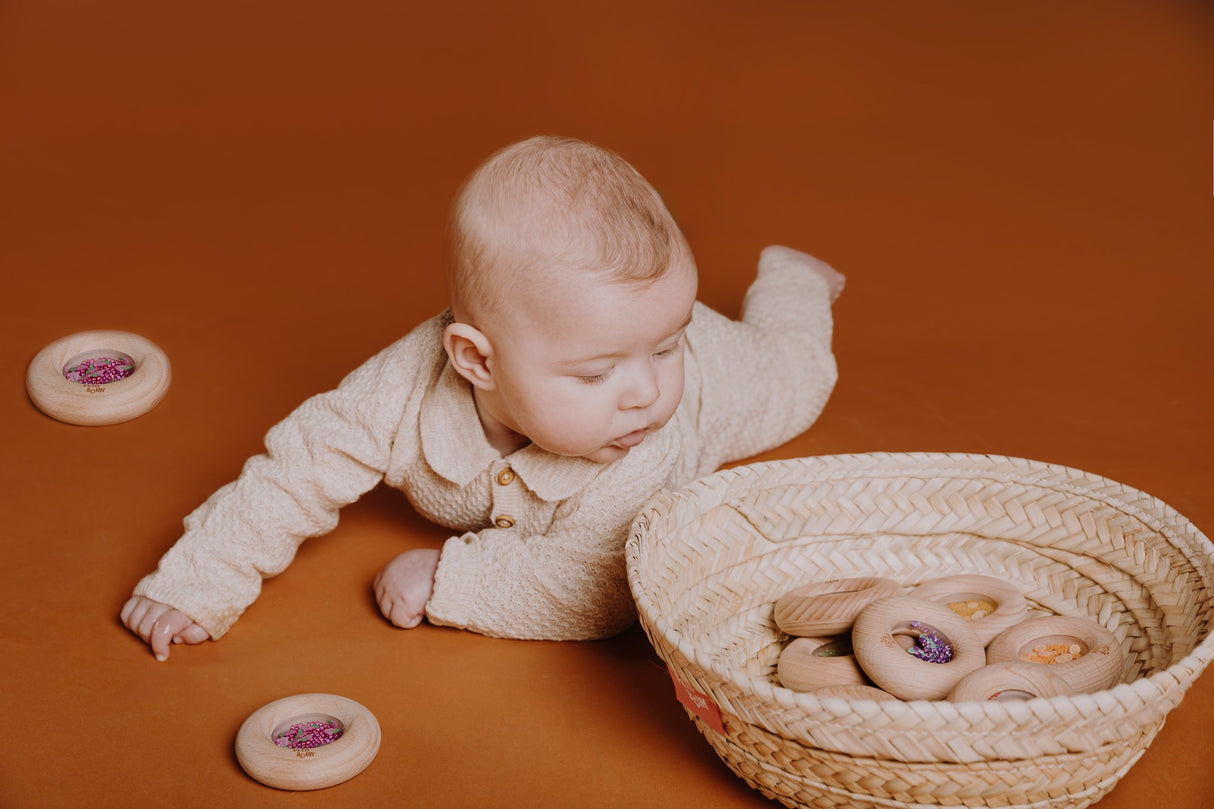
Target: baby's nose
pixel 642 391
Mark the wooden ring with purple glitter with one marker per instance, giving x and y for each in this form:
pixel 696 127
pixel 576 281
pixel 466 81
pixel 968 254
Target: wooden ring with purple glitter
pixel 915 649
pixel 98 377
pixel 308 741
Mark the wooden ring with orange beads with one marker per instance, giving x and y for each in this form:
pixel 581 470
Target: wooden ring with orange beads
pixel 991 604
pixel 1009 681
pixel 1078 650
pixel 824 608
pixel 810 663
pixel 890 632
pixel 263 755
pixel 109 402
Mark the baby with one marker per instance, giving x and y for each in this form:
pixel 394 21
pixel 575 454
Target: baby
pixel 573 376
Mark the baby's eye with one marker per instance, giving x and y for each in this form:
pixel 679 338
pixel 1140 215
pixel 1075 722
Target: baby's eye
pixel 666 352
pixel 594 379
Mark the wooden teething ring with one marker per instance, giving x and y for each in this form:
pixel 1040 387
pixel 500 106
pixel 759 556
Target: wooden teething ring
pixel 888 663
pixel 314 768
pixel 1010 681
pixel 824 608
pixel 855 692
pixel 807 664
pixel 1010 605
pixel 92 405
pixel 1097 661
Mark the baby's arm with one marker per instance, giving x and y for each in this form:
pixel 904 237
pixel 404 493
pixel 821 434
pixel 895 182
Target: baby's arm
pixel 564 585
pixel 160 625
pixel 564 582
pixel 777 254
pixel 325 455
pixel 766 378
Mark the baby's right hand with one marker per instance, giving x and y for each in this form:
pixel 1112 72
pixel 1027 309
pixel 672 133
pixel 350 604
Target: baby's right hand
pixel 404 586
pixel 160 625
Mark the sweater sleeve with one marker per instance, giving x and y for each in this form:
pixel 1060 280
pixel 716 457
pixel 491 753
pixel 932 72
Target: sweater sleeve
pixel 325 455
pixel 766 378
pixel 566 583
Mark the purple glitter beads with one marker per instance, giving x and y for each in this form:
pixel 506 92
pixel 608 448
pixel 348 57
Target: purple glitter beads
pixel 100 370
pixel 930 645
pixel 309 734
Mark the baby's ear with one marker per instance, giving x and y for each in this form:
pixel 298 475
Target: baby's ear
pixel 469 351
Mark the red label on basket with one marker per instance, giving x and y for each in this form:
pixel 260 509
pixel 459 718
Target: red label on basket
pixel 697 703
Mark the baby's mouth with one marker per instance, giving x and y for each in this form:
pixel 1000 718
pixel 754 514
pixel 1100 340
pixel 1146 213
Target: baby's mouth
pixel 632 439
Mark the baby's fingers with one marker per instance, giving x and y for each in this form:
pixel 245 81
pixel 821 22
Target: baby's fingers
pixel 160 638
pixel 396 609
pixel 192 634
pixel 133 613
pixel 139 615
pixel 404 616
pixel 165 629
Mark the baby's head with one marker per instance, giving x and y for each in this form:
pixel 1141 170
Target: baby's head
pixel 548 205
pixel 571 286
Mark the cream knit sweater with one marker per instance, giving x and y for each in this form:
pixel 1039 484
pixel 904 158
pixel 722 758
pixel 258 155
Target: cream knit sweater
pixel 539 545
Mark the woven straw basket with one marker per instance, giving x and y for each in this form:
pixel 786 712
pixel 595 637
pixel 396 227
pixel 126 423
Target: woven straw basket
pixel 706 564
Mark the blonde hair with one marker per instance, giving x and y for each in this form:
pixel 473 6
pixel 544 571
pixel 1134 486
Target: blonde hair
pixel 550 203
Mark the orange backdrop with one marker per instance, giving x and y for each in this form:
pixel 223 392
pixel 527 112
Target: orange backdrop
pixel 1020 195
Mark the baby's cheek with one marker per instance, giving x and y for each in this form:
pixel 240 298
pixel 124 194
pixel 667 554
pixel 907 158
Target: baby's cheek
pixel 582 429
pixel 672 393
pixel 589 430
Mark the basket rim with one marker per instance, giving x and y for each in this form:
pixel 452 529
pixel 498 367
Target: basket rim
pixel 1147 689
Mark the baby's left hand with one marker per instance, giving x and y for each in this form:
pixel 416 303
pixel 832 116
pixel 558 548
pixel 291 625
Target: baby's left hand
pixel 835 281
pixel 404 586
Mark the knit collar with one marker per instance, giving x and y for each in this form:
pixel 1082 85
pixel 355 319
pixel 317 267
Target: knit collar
pixel 455 446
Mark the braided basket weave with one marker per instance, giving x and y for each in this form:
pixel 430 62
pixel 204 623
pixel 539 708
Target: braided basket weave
pixel 706 564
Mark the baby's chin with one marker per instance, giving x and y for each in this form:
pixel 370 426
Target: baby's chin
pixel 603 453
pixel 606 454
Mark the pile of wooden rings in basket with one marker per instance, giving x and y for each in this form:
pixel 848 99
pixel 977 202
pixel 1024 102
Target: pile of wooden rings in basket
pixel 961 638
